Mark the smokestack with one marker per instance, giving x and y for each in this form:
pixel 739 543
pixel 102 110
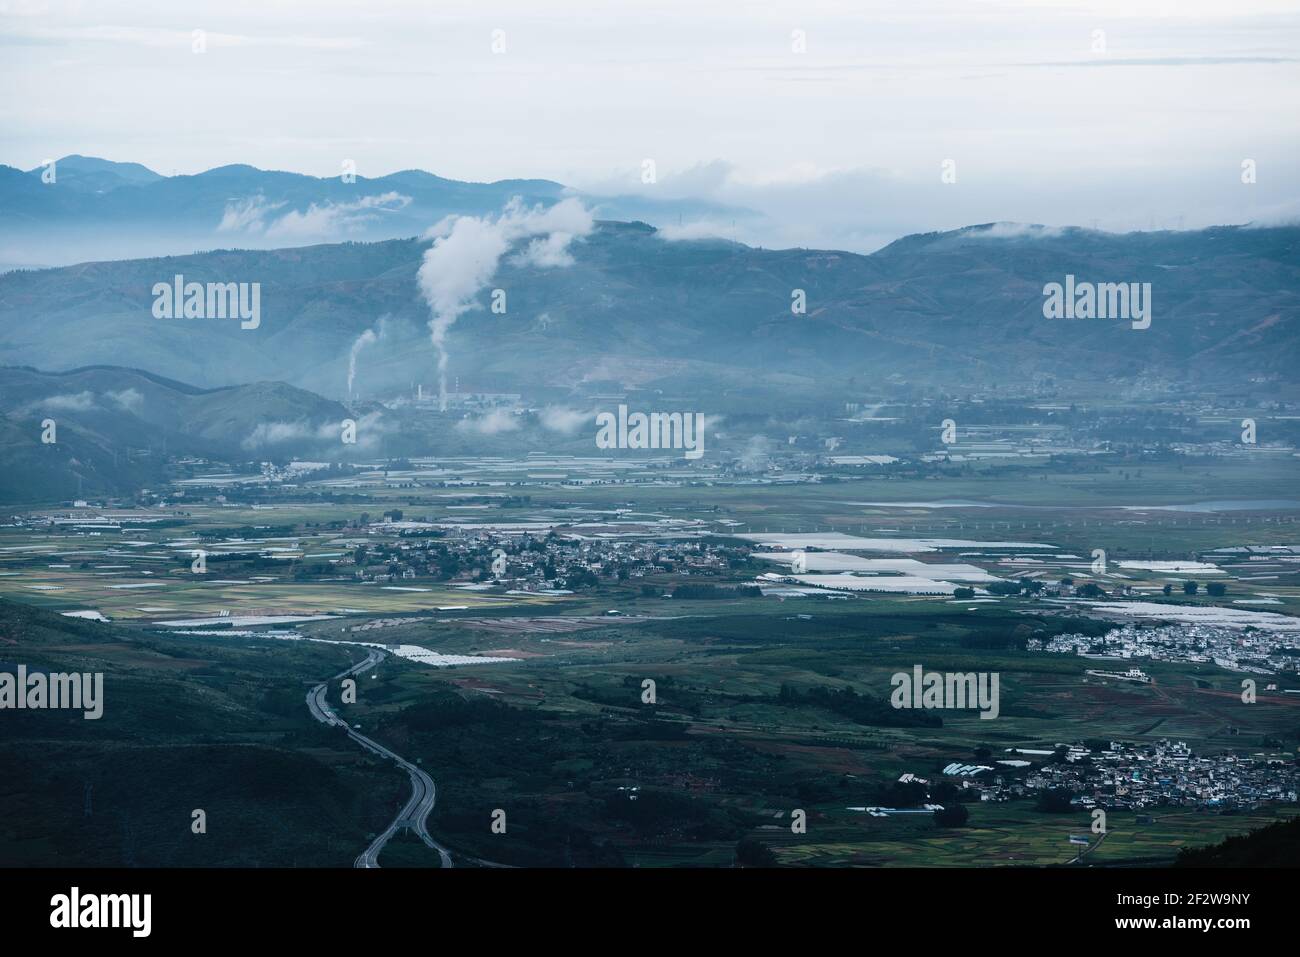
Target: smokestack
pixel 468 249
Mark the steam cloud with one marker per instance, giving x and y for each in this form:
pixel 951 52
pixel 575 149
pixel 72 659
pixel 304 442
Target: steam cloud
pixel 494 423
pixel 363 340
pixel 468 250
pixel 565 420
pixel 366 338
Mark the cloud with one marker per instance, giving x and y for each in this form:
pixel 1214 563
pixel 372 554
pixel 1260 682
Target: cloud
pixel 130 399
pixel 325 433
pixel 1283 214
pixel 468 251
pixel 698 229
pixel 371 427
pixel 158 37
pixel 326 220
pixel 1167 61
pixel 564 420
pixel 277 433
pixel 255 216
pixel 702 179
pixel 494 423
pixel 68 402
pixel 548 252
pixel 1013 231
pixel 246 215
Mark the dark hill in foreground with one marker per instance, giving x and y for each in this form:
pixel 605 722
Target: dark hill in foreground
pixel 185 725
pixel 1277 845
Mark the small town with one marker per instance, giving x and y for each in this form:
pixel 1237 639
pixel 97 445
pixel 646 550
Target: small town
pixel 1163 774
pixel 1248 650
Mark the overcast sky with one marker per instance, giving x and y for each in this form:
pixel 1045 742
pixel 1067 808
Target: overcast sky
pixel 1143 124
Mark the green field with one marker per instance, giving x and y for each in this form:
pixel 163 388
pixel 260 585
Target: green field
pixel 762 704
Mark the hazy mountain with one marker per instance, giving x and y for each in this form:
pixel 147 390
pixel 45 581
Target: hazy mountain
pixel 954 311
pixel 113 428
pixel 98 209
pixel 94 175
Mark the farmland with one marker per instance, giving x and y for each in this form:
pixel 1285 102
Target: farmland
pixel 614 727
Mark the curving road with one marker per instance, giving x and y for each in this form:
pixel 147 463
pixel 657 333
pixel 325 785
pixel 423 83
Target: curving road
pixel 415 814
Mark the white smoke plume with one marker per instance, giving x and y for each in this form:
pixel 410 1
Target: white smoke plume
pixel 468 249
pixel 493 423
pixel 369 337
pixel 565 420
pixel 363 340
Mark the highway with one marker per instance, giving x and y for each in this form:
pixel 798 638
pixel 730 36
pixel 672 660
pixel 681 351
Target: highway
pixel 415 813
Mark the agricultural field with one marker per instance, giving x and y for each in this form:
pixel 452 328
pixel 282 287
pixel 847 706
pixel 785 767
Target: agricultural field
pixel 681 715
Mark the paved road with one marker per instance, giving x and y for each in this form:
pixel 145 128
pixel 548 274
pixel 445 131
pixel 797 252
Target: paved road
pixel 415 813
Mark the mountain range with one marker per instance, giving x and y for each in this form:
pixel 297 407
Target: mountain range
pixel 85 208
pixel 952 311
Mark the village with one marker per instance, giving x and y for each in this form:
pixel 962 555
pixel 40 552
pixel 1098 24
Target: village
pixel 540 561
pixel 1138 776
pixel 1255 651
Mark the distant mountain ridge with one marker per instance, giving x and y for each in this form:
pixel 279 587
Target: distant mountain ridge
pixel 88 208
pixel 955 311
pixel 97 175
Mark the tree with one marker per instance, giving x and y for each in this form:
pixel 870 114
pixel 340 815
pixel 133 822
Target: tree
pixel 964 594
pixel 1168 589
pixel 1091 590
pixel 1216 589
pixel 1189 588
pixel 945 793
pixel 951 815
pixel 752 853
pixel 1054 801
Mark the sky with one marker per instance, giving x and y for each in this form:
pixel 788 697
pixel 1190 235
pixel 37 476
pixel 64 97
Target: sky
pixel 834 120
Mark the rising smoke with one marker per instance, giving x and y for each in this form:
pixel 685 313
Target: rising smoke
pixel 468 250
pixel 369 337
